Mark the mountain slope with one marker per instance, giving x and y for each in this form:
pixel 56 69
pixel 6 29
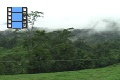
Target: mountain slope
pixel 91 36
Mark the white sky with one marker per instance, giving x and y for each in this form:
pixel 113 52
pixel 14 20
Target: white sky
pixel 64 13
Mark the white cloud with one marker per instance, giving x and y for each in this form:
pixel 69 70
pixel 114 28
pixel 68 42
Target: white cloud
pixel 64 13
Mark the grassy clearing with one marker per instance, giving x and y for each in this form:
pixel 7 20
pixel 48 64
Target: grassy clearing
pixel 107 73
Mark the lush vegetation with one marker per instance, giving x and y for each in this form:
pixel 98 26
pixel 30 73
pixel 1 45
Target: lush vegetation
pixel 38 51
pixel 107 73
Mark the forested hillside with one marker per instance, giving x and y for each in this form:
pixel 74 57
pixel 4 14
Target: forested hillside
pixel 38 51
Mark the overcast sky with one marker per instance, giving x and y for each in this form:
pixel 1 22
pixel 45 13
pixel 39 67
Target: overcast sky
pixel 65 13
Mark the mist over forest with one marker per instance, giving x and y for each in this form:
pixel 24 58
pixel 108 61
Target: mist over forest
pixel 41 50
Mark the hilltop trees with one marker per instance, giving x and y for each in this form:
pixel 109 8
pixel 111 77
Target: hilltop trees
pixel 37 51
pixel 54 51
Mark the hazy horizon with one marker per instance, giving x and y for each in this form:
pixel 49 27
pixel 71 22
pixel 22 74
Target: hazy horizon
pixel 67 13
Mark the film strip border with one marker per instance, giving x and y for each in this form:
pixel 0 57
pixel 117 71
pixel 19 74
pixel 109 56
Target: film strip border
pixel 24 17
pixel 9 17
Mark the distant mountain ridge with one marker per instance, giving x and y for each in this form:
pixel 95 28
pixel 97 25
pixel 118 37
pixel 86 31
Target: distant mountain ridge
pixel 92 36
pixel 89 35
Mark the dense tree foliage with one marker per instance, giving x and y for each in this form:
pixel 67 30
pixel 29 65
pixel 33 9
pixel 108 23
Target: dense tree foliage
pixel 38 51
pixel 55 51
